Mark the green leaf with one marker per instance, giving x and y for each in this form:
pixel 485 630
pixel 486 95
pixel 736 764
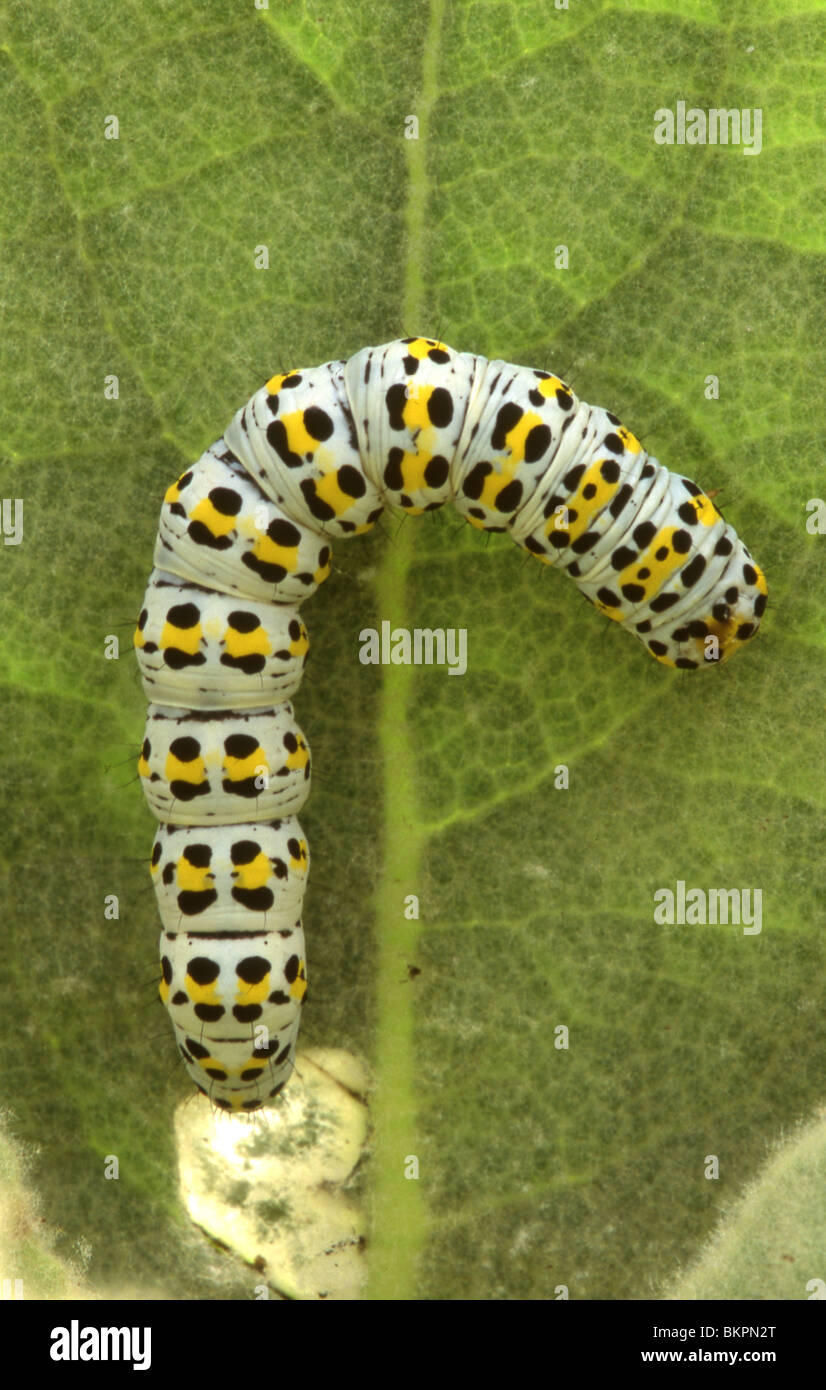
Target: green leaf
pixel 538 1167
pixel 770 1244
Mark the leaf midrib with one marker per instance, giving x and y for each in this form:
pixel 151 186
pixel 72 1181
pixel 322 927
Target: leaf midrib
pixel 398 1210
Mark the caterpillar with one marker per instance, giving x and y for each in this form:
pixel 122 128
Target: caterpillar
pixel 244 538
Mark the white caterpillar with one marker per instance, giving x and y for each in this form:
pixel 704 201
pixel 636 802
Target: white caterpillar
pixel 244 539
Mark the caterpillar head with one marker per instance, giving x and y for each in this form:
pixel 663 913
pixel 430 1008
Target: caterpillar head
pixel 729 619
